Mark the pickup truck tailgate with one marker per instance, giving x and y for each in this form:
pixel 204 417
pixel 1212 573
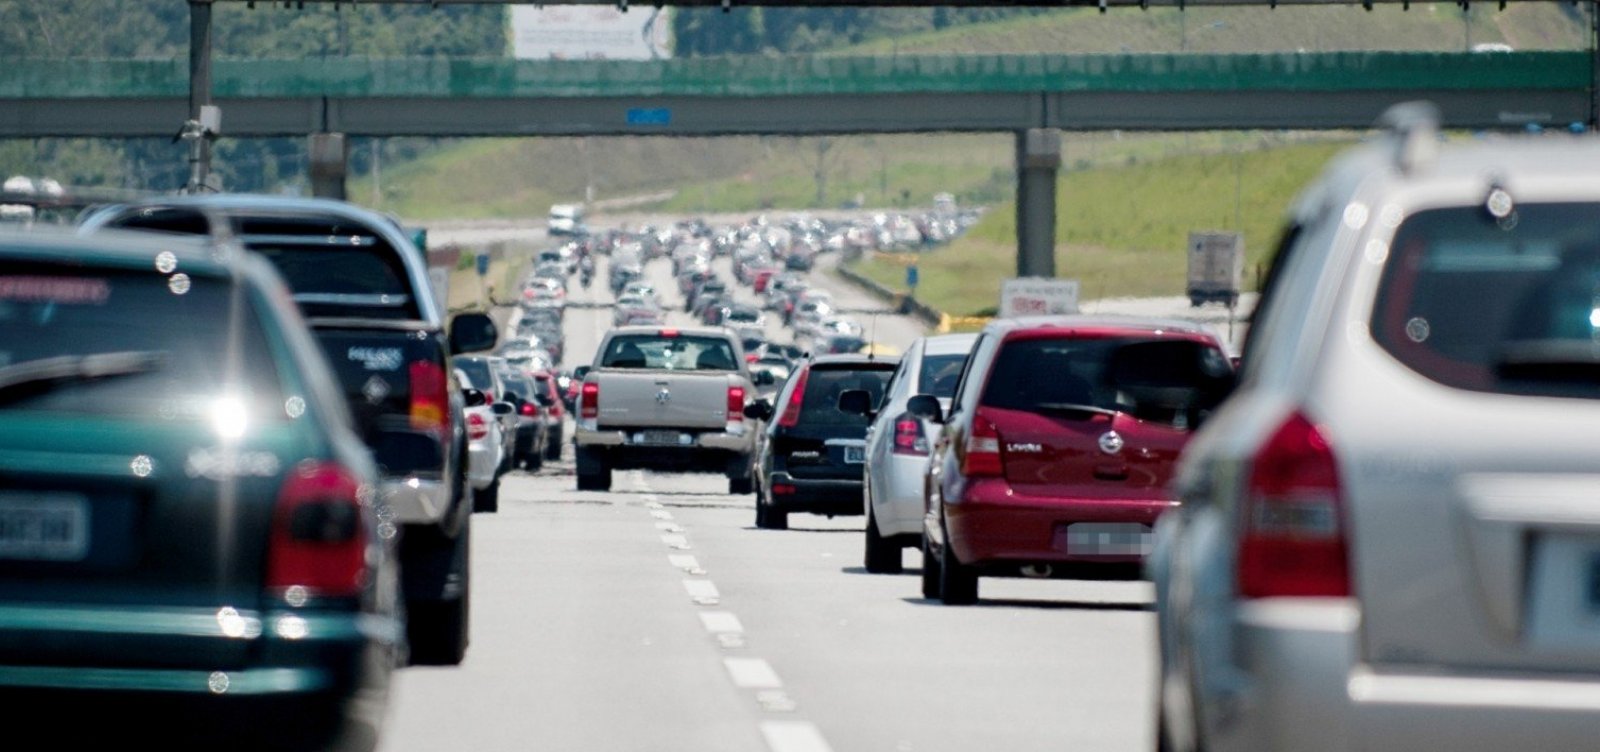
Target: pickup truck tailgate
pixel 631 399
pixel 374 361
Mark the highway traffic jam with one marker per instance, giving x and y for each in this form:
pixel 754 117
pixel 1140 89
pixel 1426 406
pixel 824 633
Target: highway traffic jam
pixel 688 488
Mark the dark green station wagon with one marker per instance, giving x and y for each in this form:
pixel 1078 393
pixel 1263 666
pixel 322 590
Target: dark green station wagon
pixel 191 549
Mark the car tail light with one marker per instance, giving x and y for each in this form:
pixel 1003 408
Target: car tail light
pixel 782 489
pixel 430 398
pixel 528 409
pixel 791 411
pixel 908 438
pixel 589 404
pixel 982 455
pixel 318 540
pixel 1294 541
pixel 735 404
pixel 477 427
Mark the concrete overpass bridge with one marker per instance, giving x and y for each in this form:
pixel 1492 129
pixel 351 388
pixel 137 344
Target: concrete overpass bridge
pixel 1032 96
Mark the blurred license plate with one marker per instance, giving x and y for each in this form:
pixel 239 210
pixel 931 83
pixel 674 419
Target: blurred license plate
pixel 855 455
pixel 660 437
pixel 1104 539
pixel 44 527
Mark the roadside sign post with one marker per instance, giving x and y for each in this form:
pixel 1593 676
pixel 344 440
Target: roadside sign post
pixel 483 264
pixel 911 280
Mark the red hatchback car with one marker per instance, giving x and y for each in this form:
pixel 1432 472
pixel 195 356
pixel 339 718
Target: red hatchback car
pixel 1056 456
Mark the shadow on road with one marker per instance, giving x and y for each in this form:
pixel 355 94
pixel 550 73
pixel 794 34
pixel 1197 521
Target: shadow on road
pixel 1040 604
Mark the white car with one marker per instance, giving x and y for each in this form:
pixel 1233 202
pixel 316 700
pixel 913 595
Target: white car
pixel 1389 536
pixel 898 444
pixel 486 448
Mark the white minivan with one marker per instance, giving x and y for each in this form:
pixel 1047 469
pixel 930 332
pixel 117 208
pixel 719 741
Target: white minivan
pixel 566 219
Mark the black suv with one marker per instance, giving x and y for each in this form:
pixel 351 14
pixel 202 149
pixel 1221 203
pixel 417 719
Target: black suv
pixel 810 457
pixel 363 288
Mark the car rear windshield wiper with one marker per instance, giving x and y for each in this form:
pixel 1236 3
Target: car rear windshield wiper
pixel 43 371
pixel 1082 412
pixel 1569 362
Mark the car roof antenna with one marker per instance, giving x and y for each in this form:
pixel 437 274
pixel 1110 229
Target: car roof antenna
pixel 872 338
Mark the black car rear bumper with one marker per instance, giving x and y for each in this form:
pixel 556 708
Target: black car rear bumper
pixel 815 495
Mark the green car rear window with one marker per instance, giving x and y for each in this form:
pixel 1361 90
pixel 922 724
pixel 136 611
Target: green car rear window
pixel 115 342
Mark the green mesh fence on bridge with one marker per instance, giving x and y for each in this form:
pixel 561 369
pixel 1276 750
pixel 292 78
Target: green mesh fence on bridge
pixel 756 77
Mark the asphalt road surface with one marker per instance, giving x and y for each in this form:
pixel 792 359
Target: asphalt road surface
pixel 657 617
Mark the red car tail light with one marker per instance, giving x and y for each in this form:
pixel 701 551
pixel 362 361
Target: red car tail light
pixel 982 452
pixel 430 398
pixel 908 438
pixel 528 410
pixel 589 401
pixel 791 411
pixel 735 404
pixel 477 427
pixel 1294 541
pixel 318 539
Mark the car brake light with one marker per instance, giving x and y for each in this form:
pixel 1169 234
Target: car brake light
pixel 318 541
pixel 1294 541
pixel 527 409
pixel 477 427
pixel 430 398
pixel 669 333
pixel 908 438
pixel 735 404
pixel 982 455
pixel 589 404
pixel 791 411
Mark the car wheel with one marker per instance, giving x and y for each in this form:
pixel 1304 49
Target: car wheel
pixel 958 583
pixel 593 474
pixel 488 499
pixel 930 571
pixel 438 630
pixel 533 462
pixel 552 449
pixel 768 518
pixel 882 554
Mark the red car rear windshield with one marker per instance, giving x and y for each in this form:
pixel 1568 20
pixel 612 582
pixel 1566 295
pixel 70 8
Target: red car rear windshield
pixel 1166 380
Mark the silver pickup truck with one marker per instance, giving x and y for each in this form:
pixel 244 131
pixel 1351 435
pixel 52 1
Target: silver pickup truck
pixel 662 398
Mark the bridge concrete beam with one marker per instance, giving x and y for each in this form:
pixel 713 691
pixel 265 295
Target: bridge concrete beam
pixel 1038 162
pixel 329 154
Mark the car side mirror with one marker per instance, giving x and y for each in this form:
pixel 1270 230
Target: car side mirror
pixel 758 410
pixel 580 372
pixel 503 409
pixel 926 407
pixel 472 332
pixel 544 400
pixel 855 402
pixel 473 397
pixel 763 378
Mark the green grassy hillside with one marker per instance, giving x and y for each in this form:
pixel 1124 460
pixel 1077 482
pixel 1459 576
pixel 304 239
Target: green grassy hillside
pixel 1439 27
pixel 1121 229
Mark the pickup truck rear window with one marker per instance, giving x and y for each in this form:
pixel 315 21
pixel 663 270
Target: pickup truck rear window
pixel 108 342
pixel 1509 306
pixel 365 282
pixel 1171 381
pixel 677 353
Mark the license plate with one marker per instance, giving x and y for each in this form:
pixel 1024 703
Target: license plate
pixel 672 438
pixel 1104 539
pixel 855 455
pixel 44 527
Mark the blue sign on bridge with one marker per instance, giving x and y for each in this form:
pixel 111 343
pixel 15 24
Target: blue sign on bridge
pixel 649 116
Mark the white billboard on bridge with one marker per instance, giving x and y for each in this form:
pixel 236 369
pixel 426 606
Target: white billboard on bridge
pixel 589 32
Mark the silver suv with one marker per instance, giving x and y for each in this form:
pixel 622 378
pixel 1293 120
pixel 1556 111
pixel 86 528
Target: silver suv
pixel 1390 534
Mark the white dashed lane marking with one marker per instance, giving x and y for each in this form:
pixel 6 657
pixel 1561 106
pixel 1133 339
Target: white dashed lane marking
pixel 676 541
pixel 794 736
pixel 719 622
pixel 752 673
pixel 703 592
pixel 661 514
pixel 685 562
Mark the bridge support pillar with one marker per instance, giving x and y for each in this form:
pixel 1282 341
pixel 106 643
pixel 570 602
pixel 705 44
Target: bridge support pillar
pixel 330 158
pixel 1038 161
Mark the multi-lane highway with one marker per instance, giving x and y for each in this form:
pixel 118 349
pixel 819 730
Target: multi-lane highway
pixel 657 617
